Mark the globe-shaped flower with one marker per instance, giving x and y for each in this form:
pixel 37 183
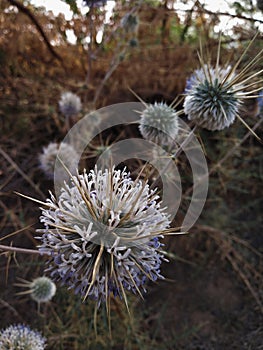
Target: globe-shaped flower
pixel 21 337
pixel 42 289
pixel 95 3
pixel 159 123
pixel 49 155
pixel 212 101
pixel 102 234
pixel 69 104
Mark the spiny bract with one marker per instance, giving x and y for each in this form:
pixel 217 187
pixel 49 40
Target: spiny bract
pixel 21 337
pixel 102 234
pixel 159 123
pixel 211 100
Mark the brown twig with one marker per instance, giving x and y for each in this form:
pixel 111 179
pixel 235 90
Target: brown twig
pixel 20 171
pixel 29 14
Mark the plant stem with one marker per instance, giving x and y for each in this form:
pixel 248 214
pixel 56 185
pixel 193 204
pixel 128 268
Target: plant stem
pixel 18 250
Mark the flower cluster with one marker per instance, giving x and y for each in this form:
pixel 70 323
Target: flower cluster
pixel 159 123
pixel 212 97
pixel 21 337
pixel 102 234
pixel 49 155
pixel 69 104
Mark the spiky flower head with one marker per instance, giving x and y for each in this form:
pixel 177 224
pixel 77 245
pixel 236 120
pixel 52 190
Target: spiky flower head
pixel 42 289
pixel 49 155
pixel 102 234
pixel 130 23
pixel 214 95
pixel 69 104
pixel 21 337
pixel 212 101
pixel 159 123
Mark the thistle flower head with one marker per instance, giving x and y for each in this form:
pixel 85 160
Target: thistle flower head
pixel 159 123
pixel 21 337
pixel 42 289
pixel 214 95
pixel 102 234
pixel 69 104
pixel 209 102
pixel 49 155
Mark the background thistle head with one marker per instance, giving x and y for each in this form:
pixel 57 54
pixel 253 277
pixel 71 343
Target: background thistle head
pixel 159 123
pixel 21 337
pixel 48 159
pixel 69 104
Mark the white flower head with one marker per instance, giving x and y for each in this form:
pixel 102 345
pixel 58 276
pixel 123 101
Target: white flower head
pixel 214 95
pixel 102 234
pixel 42 289
pixel 69 104
pixel 48 159
pixel 21 337
pixel 159 123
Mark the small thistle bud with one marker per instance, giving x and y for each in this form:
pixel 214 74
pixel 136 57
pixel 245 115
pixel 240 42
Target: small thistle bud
pixel 102 234
pixel 42 289
pixel 21 337
pixel 69 104
pixel 130 23
pixel 159 123
pixel 48 159
pixel 260 5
